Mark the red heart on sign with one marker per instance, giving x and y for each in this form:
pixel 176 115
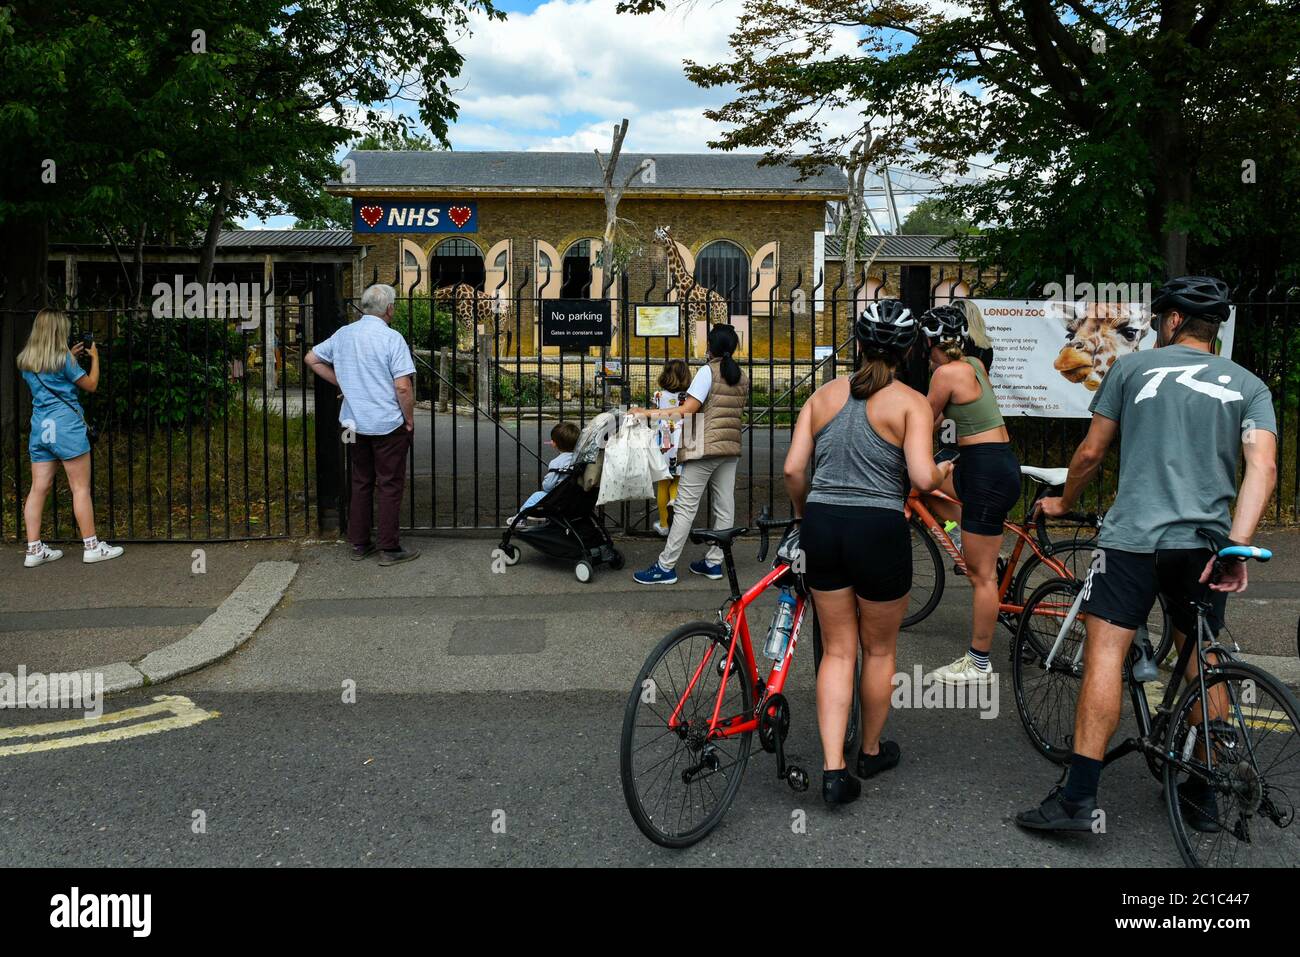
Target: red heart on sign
pixel 459 215
pixel 372 215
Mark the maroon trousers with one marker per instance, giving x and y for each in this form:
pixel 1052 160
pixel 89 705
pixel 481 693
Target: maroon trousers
pixel 378 466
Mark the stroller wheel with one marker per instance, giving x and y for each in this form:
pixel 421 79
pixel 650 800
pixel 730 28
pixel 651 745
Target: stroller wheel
pixel 616 560
pixel 512 554
pixel 584 571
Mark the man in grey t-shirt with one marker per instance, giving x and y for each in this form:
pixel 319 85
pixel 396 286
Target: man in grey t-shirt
pixel 1184 417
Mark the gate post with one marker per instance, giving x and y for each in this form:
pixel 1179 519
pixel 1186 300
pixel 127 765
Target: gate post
pixel 328 317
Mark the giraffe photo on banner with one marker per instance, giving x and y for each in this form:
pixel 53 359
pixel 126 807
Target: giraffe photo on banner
pixel 1051 356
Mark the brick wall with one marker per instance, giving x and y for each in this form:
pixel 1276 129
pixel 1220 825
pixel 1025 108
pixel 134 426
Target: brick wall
pixel 694 222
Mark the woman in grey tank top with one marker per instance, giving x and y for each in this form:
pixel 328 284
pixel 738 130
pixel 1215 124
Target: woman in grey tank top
pixel 865 437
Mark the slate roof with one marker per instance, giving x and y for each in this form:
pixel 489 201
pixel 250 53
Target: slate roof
pixel 908 248
pixel 675 172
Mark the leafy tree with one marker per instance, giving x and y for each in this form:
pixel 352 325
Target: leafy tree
pixel 1115 128
pixel 934 217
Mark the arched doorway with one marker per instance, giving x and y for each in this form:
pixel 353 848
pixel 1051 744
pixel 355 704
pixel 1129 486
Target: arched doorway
pixel 724 267
pixel 454 261
pixel 577 276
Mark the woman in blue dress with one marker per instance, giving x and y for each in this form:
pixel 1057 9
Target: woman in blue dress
pixel 53 377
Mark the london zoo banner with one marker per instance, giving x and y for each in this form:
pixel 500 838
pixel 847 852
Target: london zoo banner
pixel 1050 357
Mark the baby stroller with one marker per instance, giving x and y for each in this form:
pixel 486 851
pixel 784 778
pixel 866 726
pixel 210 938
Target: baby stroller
pixel 572 529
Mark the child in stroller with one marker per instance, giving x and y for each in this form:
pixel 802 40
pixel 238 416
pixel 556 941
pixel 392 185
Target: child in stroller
pixel 564 522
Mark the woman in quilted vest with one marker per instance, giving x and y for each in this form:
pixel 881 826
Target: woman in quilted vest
pixel 713 410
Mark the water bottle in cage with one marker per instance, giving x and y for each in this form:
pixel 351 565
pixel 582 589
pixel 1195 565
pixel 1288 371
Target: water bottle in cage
pixel 778 636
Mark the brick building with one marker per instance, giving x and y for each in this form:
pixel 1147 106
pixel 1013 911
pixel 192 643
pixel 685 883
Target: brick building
pixel 530 224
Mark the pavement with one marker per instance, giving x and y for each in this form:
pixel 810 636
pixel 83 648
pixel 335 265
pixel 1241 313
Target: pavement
pixel 449 711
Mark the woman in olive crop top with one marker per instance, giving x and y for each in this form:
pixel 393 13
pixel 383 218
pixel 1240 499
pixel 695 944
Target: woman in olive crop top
pixel 986 480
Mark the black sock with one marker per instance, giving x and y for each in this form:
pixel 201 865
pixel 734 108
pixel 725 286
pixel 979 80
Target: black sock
pixel 1081 784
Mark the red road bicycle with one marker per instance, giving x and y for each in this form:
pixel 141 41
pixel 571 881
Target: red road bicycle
pixel 698 700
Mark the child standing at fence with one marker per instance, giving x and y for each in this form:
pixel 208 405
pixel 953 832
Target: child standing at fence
pixel 674 380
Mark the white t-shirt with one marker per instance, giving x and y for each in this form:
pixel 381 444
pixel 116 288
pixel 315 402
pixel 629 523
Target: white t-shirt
pixel 701 384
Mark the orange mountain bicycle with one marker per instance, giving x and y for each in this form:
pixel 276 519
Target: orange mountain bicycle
pixel 1047 559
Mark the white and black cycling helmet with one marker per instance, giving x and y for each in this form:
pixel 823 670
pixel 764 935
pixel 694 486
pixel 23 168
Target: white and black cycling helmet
pixel 1201 297
pixel 886 324
pixel 944 322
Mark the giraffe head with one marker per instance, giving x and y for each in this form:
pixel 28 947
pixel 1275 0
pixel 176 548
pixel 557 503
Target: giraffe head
pixel 1096 334
pixel 661 234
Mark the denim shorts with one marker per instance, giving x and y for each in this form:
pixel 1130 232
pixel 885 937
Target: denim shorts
pixel 57 437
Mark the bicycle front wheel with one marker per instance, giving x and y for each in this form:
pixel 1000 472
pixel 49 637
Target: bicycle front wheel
pixel 1047 673
pixel 1232 797
pixel 677 783
pixel 927 575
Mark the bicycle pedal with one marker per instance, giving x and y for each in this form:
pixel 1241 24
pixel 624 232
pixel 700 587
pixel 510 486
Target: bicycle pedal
pixel 797 778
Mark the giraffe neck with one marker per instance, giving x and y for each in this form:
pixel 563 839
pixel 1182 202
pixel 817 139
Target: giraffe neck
pixel 677 268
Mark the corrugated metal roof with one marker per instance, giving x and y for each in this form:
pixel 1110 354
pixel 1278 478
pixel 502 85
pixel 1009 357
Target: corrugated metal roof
pixel 284 239
pixel 537 170
pixel 900 247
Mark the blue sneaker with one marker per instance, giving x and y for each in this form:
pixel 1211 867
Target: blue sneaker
pixel 655 575
pixel 702 567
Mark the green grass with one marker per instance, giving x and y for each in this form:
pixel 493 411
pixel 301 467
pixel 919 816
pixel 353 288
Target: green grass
pixel 200 492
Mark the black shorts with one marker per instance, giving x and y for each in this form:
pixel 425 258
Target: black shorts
pixel 859 547
pixel 987 481
pixel 1121 587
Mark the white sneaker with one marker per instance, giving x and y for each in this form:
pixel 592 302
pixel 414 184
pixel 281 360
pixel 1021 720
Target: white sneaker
pixel 46 554
pixel 662 530
pixel 101 553
pixel 961 672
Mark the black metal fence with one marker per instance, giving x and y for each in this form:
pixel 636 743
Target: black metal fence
pixel 213 429
pixel 490 391
pixel 204 414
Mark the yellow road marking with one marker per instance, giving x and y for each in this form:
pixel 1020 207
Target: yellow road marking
pixel 1259 718
pixel 181 711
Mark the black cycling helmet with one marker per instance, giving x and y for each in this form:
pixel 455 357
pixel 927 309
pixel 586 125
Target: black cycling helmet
pixel 944 322
pixel 1201 297
pixel 886 324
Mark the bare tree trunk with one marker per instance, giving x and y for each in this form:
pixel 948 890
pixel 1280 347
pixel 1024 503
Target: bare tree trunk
pixel 209 255
pixel 613 193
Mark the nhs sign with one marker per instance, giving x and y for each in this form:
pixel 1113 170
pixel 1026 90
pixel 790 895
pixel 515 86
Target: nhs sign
pixel 422 216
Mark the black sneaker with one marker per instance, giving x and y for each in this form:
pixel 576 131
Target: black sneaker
pixel 1056 814
pixel 840 787
pixel 399 556
pixel 869 765
pixel 363 551
pixel 1199 806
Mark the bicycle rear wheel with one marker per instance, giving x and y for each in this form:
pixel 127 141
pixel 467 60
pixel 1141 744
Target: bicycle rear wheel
pixel 677 784
pixel 1252 768
pixel 1046 695
pixel 927 575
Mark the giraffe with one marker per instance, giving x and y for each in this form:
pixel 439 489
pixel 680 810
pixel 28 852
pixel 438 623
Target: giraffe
pixel 471 308
pixel 1096 335
pixel 701 303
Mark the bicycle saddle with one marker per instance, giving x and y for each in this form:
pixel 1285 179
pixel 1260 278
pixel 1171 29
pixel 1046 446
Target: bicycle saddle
pixel 722 537
pixel 1224 548
pixel 1046 476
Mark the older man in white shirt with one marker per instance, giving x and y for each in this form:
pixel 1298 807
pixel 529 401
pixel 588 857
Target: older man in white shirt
pixel 371 364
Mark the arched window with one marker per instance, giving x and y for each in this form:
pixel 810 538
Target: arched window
pixel 454 261
pixel 576 282
pixel 724 267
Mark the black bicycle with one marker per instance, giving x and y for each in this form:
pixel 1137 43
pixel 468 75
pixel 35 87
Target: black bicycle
pixel 1233 728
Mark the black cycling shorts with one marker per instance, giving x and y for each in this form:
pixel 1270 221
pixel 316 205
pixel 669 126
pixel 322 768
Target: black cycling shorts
pixel 1121 587
pixel 859 547
pixel 987 482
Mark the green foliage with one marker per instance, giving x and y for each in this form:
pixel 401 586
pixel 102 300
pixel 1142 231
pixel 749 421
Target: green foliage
pixel 414 317
pixel 934 217
pixel 171 372
pixel 1098 138
pixel 526 392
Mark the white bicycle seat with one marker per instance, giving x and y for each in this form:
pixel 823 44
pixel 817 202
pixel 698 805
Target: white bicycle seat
pixel 1046 476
